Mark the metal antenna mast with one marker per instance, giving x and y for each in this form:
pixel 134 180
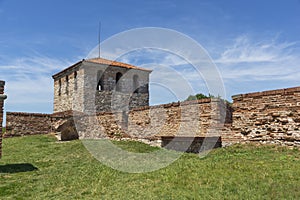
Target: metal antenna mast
pixel 99 33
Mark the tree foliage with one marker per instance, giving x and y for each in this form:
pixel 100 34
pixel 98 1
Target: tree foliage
pixel 203 96
pixel 197 96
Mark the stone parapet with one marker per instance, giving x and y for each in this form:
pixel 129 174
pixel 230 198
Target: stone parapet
pixel 19 124
pixel 282 92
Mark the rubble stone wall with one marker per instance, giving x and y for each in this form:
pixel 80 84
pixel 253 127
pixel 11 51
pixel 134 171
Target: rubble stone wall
pixel 268 117
pixel 264 117
pixel 153 121
pixel 19 124
pixel 192 118
pixel 111 100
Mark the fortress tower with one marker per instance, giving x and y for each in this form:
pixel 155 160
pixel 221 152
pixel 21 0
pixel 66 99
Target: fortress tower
pixel 101 85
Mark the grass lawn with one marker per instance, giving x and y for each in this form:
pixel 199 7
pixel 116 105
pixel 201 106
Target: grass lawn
pixel 38 167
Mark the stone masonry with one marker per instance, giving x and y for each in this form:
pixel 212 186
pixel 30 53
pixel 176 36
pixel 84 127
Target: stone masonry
pixel 2 98
pixel 264 117
pixel 19 124
pixel 100 85
pixel 184 119
pixel 155 125
pixel 268 117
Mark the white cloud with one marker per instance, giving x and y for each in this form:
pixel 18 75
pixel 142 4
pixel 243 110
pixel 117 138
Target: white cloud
pixel 246 51
pixel 260 61
pixel 29 81
pixel 245 63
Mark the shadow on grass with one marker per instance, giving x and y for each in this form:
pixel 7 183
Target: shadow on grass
pixel 15 168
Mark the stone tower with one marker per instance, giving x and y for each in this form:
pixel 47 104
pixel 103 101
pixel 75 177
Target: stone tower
pixel 101 85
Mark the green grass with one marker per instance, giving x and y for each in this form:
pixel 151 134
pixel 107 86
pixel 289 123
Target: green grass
pixel 38 167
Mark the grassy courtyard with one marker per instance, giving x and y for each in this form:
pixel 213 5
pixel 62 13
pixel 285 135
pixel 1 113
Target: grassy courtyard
pixel 38 167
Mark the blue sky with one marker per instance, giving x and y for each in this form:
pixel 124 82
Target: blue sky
pixel 254 44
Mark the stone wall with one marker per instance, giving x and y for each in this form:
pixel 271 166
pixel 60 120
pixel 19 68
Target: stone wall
pixel 264 117
pixel 205 117
pixel 68 91
pixel 114 95
pixel 192 118
pixel 108 101
pixel 2 98
pixel 199 118
pixel 107 75
pixel 268 117
pixel 19 124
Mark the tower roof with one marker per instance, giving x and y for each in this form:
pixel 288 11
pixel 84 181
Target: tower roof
pixel 114 63
pixel 102 61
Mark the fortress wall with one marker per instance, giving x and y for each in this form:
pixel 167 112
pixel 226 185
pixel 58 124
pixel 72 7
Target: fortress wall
pixel 200 118
pixel 2 98
pixel 155 125
pixel 192 118
pixel 268 117
pixel 264 117
pixel 19 124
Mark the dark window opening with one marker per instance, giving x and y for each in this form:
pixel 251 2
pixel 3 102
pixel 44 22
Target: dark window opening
pixel 75 80
pixel 67 85
pixel 59 87
pixel 136 84
pixel 118 82
pixel 100 85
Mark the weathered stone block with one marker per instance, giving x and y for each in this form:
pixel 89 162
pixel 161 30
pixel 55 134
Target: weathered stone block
pixel 2 98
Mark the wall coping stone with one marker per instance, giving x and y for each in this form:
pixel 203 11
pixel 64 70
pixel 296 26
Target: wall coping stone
pixel 266 93
pixel 28 114
pixel 175 104
pixel 67 113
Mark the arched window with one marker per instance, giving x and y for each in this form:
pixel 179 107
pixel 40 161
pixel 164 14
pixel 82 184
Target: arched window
pixel 136 84
pixel 59 87
pixel 75 80
pixel 67 85
pixel 118 82
pixel 100 81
